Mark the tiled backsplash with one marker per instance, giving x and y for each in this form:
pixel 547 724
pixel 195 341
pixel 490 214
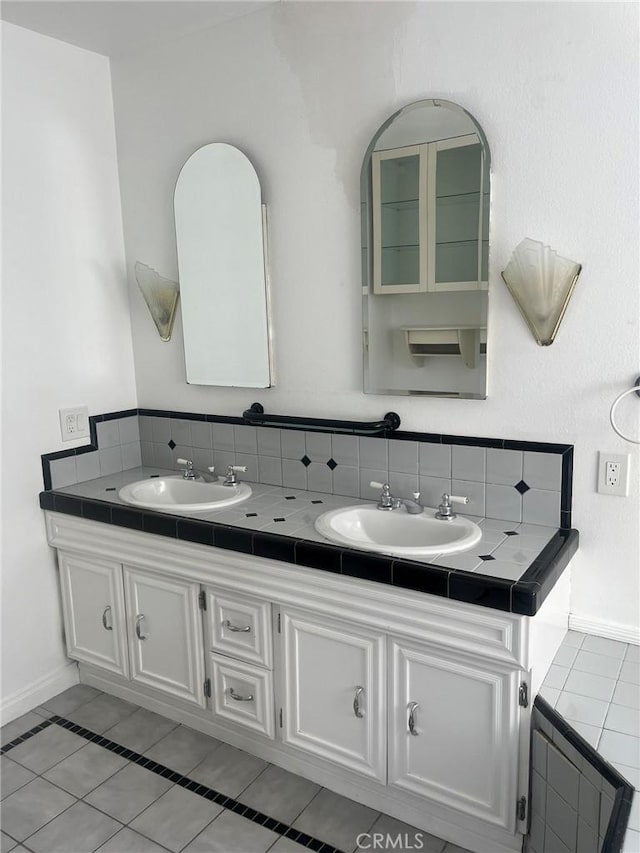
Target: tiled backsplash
pixel 578 802
pixel 523 482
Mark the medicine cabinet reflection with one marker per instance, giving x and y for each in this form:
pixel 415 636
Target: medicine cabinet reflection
pixel 425 246
pixel 221 242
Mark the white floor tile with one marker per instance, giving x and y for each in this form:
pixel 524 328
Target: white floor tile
pixel 633 652
pixel 582 709
pixel 574 639
pixel 591 734
pixel 630 672
pixel 626 694
pixel 604 646
pixel 550 694
pixel 565 656
pixel 586 684
pixel 595 664
pixel 631 774
pixel 615 746
pixel 623 719
pixel 556 676
pixel 631 842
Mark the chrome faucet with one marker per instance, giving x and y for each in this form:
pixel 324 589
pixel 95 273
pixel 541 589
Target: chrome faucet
pixel 445 511
pixel 389 503
pixel 190 473
pixel 231 479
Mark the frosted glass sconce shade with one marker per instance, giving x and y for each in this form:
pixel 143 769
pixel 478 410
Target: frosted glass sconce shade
pixel 161 296
pixel 541 282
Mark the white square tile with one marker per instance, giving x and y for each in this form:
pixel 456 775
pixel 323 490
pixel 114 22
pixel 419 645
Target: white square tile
pixel 633 653
pixel 604 646
pixel 583 709
pixel 591 734
pixel 556 676
pixel 594 664
pixel 550 694
pixel 574 639
pixel 587 684
pixel 621 718
pixel 542 470
pixel 617 747
pixel 565 655
pixel 627 694
pixel 630 672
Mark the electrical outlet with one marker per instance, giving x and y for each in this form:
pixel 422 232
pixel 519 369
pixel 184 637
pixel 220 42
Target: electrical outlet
pixel 74 423
pixel 613 474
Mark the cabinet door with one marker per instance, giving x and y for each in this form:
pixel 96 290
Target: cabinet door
pixel 334 691
pixel 399 220
pixel 453 733
pixel 165 634
pixel 93 607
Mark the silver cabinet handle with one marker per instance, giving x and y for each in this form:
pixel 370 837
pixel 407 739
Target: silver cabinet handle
pixel 139 633
pixel 245 630
pixel 104 618
pixel 413 706
pixel 240 698
pixel 356 702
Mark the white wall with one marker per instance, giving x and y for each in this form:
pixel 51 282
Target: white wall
pixel 66 336
pixel 302 88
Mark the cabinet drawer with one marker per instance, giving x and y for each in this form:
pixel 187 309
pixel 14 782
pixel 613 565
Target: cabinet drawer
pixel 240 626
pixel 243 694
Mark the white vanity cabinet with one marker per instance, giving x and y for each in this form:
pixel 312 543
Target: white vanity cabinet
pixel 453 729
pixel 333 691
pixel 165 634
pixel 323 675
pixel 137 624
pixel 94 612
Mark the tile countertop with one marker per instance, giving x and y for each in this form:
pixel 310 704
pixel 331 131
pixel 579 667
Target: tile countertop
pixel 513 567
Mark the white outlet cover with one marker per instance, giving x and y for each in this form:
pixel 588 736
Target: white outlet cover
pixel 74 423
pixel 621 489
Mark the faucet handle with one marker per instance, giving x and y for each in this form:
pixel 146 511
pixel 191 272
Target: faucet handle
pixel 376 485
pixel 211 468
pixel 415 496
pixel 241 468
pixel 459 499
pixel 186 462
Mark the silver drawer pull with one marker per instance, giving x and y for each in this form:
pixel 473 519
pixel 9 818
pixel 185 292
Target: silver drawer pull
pixel 240 698
pixel 104 618
pixel 139 633
pixel 413 706
pixel 245 630
pixel 356 702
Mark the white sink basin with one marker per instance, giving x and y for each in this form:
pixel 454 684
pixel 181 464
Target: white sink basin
pixel 397 532
pixel 174 494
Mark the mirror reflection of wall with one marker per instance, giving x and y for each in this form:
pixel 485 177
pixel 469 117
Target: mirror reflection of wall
pixel 425 246
pixel 220 234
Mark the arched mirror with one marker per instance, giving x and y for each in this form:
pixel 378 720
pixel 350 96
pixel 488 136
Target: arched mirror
pixel 221 234
pixel 425 246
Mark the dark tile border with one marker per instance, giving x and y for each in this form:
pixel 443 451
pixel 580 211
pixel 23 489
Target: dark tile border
pixel 523 597
pixel 566 450
pixel 185 782
pixel 614 838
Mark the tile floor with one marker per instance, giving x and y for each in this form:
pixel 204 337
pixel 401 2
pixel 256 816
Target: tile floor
pixel 595 684
pixel 61 792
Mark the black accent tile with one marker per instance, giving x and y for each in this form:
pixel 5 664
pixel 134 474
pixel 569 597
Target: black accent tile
pixel 315 844
pixel 132 518
pixel 280 828
pixel 511 533
pixel 209 794
pixel 274 547
pixel 195 531
pixel 110 489
pixel 68 504
pixel 525 598
pixel 480 589
pixel 115 416
pixel 279 519
pixel 424 437
pixel 566 487
pixel 290 497
pixel 97 511
pixel 317 502
pixel 233 539
pixel 171 443
pixel 318 556
pixel 270 823
pixel 306 461
pixel 473 441
pixel 153 476
pixel 422 577
pixel 161 525
pixel 486 557
pixel 332 464
pixel 536 446
pixel 46 474
pixel 370 567
pixel 46 500
pixel 251 515
pixel 521 487
pixel 565 520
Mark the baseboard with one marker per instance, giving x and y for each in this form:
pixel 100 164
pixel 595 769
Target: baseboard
pixel 38 692
pixel 610 630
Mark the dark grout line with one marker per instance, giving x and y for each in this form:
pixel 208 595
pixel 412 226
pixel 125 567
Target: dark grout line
pixel 229 803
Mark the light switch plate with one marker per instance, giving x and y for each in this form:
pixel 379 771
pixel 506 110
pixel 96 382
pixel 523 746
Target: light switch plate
pixel 613 474
pixel 74 423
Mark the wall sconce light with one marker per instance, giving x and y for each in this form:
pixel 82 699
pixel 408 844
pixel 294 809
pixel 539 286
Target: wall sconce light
pixel 541 283
pixel 161 296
